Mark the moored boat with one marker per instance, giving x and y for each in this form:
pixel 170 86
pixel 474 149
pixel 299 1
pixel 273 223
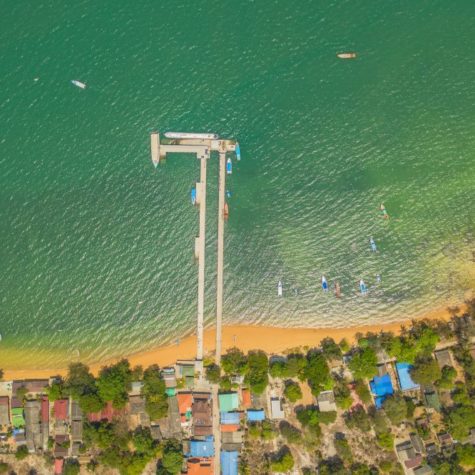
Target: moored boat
pixel 229 166
pixel 324 284
pixel 279 288
pixel 337 290
pixel 226 211
pixel 373 244
pixel 238 151
pixel 193 196
pixel 346 55
pixel 190 135
pixel 78 83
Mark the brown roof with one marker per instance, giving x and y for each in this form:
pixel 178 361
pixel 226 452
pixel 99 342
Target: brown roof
pixel 136 404
pixel 444 358
pixel 414 462
pixel 31 385
pixel 203 430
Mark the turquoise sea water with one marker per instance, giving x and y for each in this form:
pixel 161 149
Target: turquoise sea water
pixel 97 248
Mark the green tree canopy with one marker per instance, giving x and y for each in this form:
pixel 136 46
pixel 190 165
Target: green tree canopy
pixel 343 450
pixel 447 378
pixel 358 418
pixel 342 392
pixel 317 372
pixel 257 374
pixel 234 361
pixel 55 391
pixel 71 467
pixel 466 455
pixel 21 452
pixel 460 420
pixel 309 418
pixel 330 349
pixel 213 373
pixel 292 391
pixel 395 408
pixel 114 383
pixel 425 370
pixel 290 433
pixel 362 390
pixel 363 363
pixel 283 461
pixel 81 385
pixel 156 400
pixel 172 458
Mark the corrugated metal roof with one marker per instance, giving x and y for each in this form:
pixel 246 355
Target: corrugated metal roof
pixel 230 418
pixel 202 448
pixel 256 415
pixel 229 463
pixel 228 402
pixel 405 380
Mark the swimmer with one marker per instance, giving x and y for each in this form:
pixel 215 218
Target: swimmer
pixel 384 213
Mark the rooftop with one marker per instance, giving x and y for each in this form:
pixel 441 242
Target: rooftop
pixel 200 466
pixel 61 409
pixel 276 408
pixel 404 376
pixel 381 388
pixel 443 357
pixel 229 463
pixel 228 402
pixel 256 415
pixel 202 448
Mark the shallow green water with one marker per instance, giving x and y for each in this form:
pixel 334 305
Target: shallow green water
pixel 97 248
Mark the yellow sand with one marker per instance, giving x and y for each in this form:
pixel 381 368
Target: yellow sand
pixel 272 340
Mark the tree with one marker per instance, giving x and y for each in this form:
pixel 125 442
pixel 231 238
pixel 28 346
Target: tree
pixel 290 433
pixel 447 378
pixel 55 391
pixel 234 361
pixel 362 390
pixel 257 375
pixel 172 458
pixel 425 371
pixel 344 345
pixel 327 417
pixel 91 403
pixel 71 467
pixel 342 392
pixel 363 363
pixel 282 461
pixel 358 418
pixel 21 452
pixel 268 432
pixel 460 420
pixel 466 455
pixel 213 373
pixel 309 418
pixel 278 368
pixel 81 385
pixel 156 400
pixel 385 440
pixel 292 391
pixel 317 372
pixel 114 383
pixel 137 373
pixel 395 408
pixel 295 366
pixel 330 349
pixel 143 442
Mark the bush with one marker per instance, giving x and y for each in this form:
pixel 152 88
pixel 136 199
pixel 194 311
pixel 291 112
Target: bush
pixel 362 390
pixel 290 433
pixel 71 467
pixel 4 467
pixel 21 452
pixel 213 373
pixel 385 440
pixel 363 363
pixel 283 461
pixel 328 417
pixel 225 383
pixel 343 450
pixel 342 392
pixel 268 432
pixel 254 430
pixel 359 419
pixel 257 375
pixel 292 391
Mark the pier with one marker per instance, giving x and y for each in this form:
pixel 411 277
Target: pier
pixel 201 145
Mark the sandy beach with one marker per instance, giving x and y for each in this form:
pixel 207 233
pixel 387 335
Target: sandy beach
pixel 272 340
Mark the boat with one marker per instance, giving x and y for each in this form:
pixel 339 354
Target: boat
pixel 226 211
pixel 193 196
pixel 337 290
pixel 238 151
pixel 363 288
pixel 324 284
pixel 229 166
pixel 228 194
pixel 373 244
pixel 78 84
pixel 346 55
pixel 279 288
pixel 190 135
pixel 384 213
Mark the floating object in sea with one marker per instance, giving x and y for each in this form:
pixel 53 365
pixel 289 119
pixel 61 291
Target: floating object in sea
pixel 378 278
pixel 36 79
pixel 193 196
pixel 324 284
pixel 337 290
pixel 279 288
pixel 228 194
pixel 229 166
pixel 226 211
pixel 384 213
pixel 373 244
pixel 363 288
pixel 79 84
pixel 346 55
pixel 238 151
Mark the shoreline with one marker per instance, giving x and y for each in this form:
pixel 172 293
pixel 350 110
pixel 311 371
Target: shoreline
pixel 272 340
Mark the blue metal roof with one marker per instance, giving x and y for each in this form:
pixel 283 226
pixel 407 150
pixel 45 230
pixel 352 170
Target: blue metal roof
pixel 230 418
pixel 381 387
pixel 256 415
pixel 202 448
pixel 229 463
pixel 404 376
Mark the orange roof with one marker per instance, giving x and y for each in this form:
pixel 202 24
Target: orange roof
pixel 185 400
pixel 229 427
pixel 198 466
pixel 58 466
pixel 246 397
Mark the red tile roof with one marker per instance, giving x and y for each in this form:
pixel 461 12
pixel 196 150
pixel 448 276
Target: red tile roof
pixel 61 407
pixel 44 409
pixel 58 466
pixel 246 398
pixel 198 466
pixel 185 400
pixel 414 462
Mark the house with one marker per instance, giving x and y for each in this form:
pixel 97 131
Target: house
pixel 246 398
pixel 229 462
pixel 381 387
pixel 61 446
pixel 276 411
pixel 404 376
pixel 185 402
pixel 202 448
pixel 32 426
pixel 256 415
pixel 408 456
pixel 228 402
pixel 28 386
pixel 431 399
pixel 326 401
pixel 445 440
pixel 136 405
pixel 4 411
pixel 444 358
pixel 231 441
pixel 431 449
pixel 106 414
pixel 417 443
pixel 200 466
pixel 169 376
pixel 230 418
pixel 202 414
pixel 186 370
pixel 76 422
pixel 61 410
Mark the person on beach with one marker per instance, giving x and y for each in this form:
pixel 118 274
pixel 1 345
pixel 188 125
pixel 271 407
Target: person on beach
pixel 384 213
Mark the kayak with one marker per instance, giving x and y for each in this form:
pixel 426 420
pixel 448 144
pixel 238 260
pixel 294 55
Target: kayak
pixel 337 290
pixel 79 84
pixel 229 166
pixel 373 244
pixel 193 196
pixel 346 55
pixel 324 284
pixel 279 288
pixel 363 288
pixel 226 211
pixel 384 213
pixel 238 151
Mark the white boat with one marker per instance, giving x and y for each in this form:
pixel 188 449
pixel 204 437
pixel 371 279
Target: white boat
pixel 324 284
pixel 279 288
pixel 190 135
pixel 372 244
pixel 79 84
pixel 346 55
